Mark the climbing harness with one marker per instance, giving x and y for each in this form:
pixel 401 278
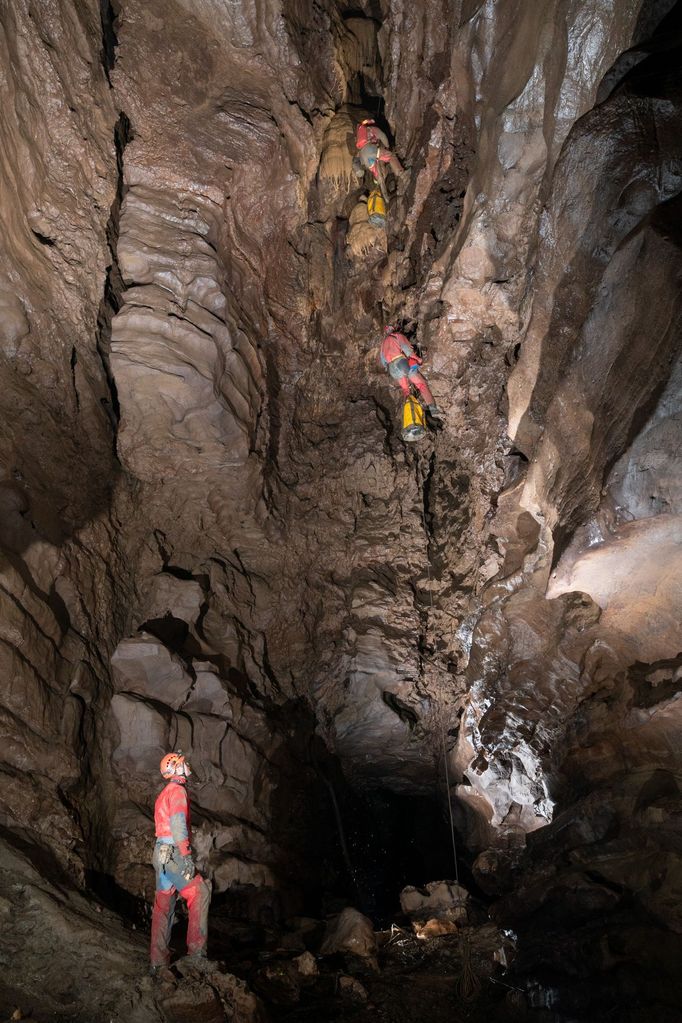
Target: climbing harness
pixel 376 208
pixel 414 420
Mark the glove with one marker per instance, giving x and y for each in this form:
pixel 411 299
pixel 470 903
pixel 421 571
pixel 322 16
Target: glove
pixel 186 866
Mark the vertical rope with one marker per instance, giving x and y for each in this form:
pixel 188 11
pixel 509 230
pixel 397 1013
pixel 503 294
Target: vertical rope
pixel 452 822
pixel 445 752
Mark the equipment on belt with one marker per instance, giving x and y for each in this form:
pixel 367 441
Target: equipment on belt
pixel 164 855
pixel 414 427
pixel 186 865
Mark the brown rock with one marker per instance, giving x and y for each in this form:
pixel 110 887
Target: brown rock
pixel 306 965
pixel 192 1002
pixel 351 988
pixel 240 1004
pixel 196 433
pixel 350 932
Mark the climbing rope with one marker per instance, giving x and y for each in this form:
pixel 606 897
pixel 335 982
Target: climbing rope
pixel 447 786
pixel 442 722
pixel 468 983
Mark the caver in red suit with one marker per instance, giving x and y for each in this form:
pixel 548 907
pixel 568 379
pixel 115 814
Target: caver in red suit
pixel 399 357
pixel 174 866
pixel 372 144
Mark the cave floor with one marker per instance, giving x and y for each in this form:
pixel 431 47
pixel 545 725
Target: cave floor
pixel 445 978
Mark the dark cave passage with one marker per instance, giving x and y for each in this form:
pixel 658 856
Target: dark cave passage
pixel 394 840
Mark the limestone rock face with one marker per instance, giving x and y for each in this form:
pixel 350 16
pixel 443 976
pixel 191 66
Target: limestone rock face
pixel 212 535
pixel 64 578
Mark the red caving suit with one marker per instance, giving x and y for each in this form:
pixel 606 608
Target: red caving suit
pixel 398 356
pixel 373 148
pixel 172 824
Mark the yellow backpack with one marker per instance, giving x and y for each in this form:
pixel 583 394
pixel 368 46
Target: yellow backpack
pixel 413 420
pixel 376 208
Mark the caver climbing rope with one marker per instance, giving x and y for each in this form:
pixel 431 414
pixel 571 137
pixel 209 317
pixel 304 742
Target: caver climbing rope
pixel 398 354
pixel 401 360
pixel 443 727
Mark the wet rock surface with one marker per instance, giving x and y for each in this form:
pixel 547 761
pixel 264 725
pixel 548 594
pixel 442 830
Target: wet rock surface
pixel 213 537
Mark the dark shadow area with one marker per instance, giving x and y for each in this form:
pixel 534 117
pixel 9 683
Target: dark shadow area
pixel 132 909
pixel 108 15
pixel 170 631
pixel 113 285
pixel 394 840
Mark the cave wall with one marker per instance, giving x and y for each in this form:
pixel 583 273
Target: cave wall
pixel 213 535
pixel 610 329
pixel 65 582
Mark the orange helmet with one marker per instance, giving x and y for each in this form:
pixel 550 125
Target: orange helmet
pixel 368 120
pixel 174 765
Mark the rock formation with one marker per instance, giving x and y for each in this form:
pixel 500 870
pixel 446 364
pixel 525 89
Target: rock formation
pixel 213 537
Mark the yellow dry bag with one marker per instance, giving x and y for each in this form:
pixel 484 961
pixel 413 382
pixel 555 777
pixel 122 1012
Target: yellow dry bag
pixel 413 420
pixel 376 208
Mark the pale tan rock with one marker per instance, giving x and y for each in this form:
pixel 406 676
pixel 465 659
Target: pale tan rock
pixel 144 666
pixel 168 595
pixel 438 899
pixel 306 965
pixel 239 1002
pixel 350 932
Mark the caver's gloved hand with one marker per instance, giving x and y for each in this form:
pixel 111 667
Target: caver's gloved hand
pixel 186 865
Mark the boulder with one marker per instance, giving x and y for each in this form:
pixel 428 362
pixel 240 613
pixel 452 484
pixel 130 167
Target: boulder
pixel 350 932
pixel 279 982
pixel 241 1004
pixel 351 988
pixel 192 1001
pixel 306 966
pixel 439 908
pixel 144 666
